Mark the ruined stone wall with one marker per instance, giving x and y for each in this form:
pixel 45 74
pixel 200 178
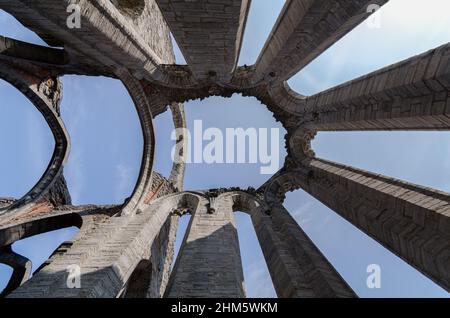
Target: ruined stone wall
pixel 148 22
pixel 162 249
pixel 162 253
pixel 209 262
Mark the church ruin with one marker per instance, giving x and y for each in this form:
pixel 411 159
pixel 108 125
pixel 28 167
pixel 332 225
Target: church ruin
pixel 127 250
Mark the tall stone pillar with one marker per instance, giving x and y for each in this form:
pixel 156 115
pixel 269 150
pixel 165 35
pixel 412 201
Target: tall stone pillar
pixel 297 267
pixel 209 262
pixel 103 257
pixel 411 221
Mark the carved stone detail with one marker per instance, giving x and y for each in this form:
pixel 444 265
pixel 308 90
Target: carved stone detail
pixel 51 88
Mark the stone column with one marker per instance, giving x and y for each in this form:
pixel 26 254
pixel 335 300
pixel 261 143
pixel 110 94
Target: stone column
pixel 304 30
pixel 411 221
pixel 209 261
pixel 297 267
pixel 103 256
pixel 209 33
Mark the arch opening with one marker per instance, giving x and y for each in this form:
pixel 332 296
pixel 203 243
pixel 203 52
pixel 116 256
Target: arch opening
pixel 258 282
pixel 6 273
pixel 107 141
pixel 233 142
pixel 171 124
pixel 48 243
pixel 27 156
pixel 164 126
pixel 181 236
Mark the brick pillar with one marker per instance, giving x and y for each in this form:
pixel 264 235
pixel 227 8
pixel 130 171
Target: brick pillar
pixel 304 30
pixel 106 254
pixel 297 267
pixel 209 261
pixel 411 221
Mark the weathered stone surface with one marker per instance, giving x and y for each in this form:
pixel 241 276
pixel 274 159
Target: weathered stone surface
pixel 209 34
pixel 410 220
pixel 209 263
pixel 45 94
pixel 296 266
pixel 304 30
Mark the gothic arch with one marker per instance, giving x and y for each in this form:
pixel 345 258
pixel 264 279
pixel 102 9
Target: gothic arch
pixel 16 232
pixel 143 109
pixel 44 93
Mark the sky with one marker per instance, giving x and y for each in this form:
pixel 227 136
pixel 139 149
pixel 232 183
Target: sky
pixel 107 145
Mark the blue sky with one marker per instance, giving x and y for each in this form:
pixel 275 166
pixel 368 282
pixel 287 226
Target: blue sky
pixel 107 144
